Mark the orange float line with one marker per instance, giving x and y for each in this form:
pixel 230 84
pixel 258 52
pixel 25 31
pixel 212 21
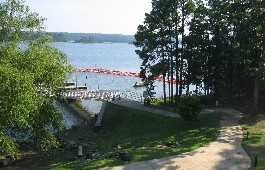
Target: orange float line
pixel 106 71
pixel 122 73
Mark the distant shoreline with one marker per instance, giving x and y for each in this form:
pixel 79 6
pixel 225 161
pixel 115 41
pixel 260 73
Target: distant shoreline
pixel 93 37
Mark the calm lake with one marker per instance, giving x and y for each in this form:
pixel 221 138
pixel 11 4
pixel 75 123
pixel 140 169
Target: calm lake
pixel 116 56
pixel 111 56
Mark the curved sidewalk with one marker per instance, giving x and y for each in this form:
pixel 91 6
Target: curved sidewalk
pixel 226 153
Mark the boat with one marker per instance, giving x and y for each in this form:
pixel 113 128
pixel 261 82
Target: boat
pixel 139 85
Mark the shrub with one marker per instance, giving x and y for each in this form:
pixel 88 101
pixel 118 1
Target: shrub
pixel 158 102
pixel 189 107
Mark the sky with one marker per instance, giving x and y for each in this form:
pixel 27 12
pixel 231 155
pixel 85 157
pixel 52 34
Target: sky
pixel 92 16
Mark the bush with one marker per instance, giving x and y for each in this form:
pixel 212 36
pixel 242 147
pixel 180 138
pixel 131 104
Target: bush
pixel 189 107
pixel 158 102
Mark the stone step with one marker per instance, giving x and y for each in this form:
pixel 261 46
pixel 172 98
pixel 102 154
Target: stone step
pixel 100 115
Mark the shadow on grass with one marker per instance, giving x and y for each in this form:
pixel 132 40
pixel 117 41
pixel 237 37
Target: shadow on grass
pixel 256 152
pixel 139 134
pixel 255 144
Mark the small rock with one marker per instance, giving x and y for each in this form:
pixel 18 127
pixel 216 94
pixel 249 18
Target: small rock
pixel 89 156
pixel 123 156
pixel 7 161
pixel 177 144
pixel 93 155
pixel 161 146
pixel 86 145
pixel 173 144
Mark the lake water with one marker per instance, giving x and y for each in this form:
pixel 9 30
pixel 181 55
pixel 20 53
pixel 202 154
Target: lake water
pixel 116 56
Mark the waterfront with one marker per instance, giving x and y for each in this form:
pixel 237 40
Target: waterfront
pixel 111 56
pixel 116 56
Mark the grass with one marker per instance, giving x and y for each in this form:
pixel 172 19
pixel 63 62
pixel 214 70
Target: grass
pixel 255 144
pixel 158 103
pixel 137 132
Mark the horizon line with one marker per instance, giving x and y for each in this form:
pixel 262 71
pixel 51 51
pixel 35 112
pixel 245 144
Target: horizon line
pixel 87 33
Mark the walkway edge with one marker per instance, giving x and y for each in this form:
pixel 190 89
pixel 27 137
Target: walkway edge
pixel 224 153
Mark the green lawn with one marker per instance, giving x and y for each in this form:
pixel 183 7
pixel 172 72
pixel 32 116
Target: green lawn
pixel 158 103
pixel 255 144
pixel 137 132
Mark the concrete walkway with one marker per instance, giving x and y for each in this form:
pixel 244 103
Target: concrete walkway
pixel 140 106
pixel 226 153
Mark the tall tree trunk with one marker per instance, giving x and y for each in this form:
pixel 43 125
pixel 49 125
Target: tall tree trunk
pixel 164 81
pixel 188 81
pixel 256 95
pixel 172 76
pixel 171 67
pixel 177 78
pixel 181 76
pixel 169 84
pixel 182 49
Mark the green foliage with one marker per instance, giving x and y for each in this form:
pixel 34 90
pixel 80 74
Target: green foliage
pixel 255 144
pixel 189 107
pixel 222 50
pixel 17 21
pixel 75 37
pixel 158 102
pixel 87 40
pixel 139 133
pixel 7 145
pixel 56 36
pixel 28 76
pixel 113 38
pixel 158 40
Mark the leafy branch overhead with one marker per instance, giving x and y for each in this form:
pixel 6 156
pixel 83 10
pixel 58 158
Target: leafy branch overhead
pixel 25 71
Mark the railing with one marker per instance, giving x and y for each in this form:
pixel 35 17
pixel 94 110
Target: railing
pixel 132 96
pixel 102 95
pixel 92 94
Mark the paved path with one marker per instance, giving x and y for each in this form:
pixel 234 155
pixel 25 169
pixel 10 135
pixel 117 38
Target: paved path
pixel 226 153
pixel 137 105
pixel 140 106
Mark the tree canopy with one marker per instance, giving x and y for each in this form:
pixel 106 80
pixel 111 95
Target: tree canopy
pixel 30 71
pixel 88 40
pixel 218 46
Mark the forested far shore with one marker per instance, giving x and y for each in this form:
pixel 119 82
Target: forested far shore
pixel 96 37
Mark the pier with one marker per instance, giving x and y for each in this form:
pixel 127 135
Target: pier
pixel 74 92
pixel 103 95
pixel 92 94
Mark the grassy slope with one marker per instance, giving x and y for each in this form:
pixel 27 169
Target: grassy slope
pixel 255 145
pixel 139 133
pixel 76 106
